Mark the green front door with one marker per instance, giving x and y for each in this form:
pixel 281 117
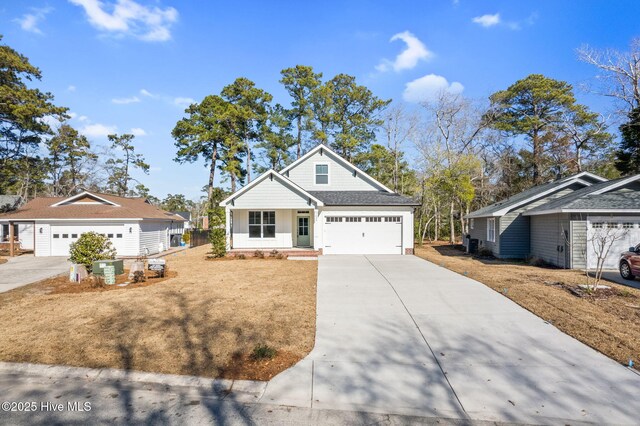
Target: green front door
pixel 304 240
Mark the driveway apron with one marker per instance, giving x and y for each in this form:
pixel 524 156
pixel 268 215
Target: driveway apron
pixel 25 269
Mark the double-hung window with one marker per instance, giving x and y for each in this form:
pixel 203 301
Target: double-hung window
pixel 491 230
pixel 262 224
pixel 322 174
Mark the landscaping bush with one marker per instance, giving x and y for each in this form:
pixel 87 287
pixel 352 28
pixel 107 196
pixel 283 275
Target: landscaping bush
pixel 259 254
pixel 138 277
pixel 263 352
pixel 274 253
pixel 186 237
pixel 241 256
pixel 90 247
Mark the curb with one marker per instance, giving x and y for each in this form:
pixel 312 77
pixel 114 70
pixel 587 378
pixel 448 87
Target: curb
pixel 243 390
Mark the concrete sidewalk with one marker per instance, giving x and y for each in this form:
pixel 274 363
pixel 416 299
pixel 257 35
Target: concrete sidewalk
pixel 27 269
pixel 397 334
pixel 106 396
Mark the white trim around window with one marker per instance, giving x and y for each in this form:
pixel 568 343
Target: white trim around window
pixel 262 224
pixel 491 229
pixel 322 173
pixel 471 223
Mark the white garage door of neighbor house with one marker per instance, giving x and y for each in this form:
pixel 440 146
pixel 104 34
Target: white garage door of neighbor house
pixel 616 234
pixel 63 235
pixel 363 235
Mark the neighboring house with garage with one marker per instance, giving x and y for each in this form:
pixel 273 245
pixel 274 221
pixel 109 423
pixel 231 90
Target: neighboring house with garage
pixel 557 222
pixel 503 229
pixel 565 231
pixel 48 225
pixel 320 202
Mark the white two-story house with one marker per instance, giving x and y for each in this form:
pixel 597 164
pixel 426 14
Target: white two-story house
pixel 320 202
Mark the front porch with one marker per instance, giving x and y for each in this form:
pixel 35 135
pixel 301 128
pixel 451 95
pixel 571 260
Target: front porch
pixel 268 229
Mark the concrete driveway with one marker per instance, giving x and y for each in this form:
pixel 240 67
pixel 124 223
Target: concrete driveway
pixel 397 334
pixel 25 269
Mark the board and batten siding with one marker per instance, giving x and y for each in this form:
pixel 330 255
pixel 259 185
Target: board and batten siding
pixel 549 239
pixel 271 194
pixel 284 230
pixel 341 178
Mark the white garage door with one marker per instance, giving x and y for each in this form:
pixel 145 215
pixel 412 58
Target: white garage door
pixel 363 235
pixel 608 237
pixel 63 235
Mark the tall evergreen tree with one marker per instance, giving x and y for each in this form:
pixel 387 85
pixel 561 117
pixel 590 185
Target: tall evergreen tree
pixel 532 107
pixel 277 140
pixel 23 111
pixel 300 82
pixel 628 154
pixel 120 167
pixel 251 108
pixel 69 153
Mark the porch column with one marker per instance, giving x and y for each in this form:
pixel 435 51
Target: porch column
pixel 11 236
pixel 315 228
pixel 227 226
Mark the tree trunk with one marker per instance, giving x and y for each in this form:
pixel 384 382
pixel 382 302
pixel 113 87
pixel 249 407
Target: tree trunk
pixel 248 144
pixel 579 159
pixel 452 228
pixel 212 172
pixel 299 153
pixel 536 157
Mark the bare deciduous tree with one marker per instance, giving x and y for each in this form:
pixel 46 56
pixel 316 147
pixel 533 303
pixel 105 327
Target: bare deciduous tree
pixel 619 75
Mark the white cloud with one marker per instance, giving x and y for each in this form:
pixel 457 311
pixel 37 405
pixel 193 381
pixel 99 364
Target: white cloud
pixel 29 21
pixel 97 130
pixel 83 118
pixel 428 87
pixel 183 102
pixel 407 59
pixel 124 101
pixel 126 17
pixel 137 131
pixel 71 88
pixel 145 92
pixel 487 20
pixel 72 115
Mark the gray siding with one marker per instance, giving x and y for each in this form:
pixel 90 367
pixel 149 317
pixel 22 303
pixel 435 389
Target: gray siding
pixel 578 244
pixel 514 235
pixel 548 241
pixel 479 232
pixel 515 229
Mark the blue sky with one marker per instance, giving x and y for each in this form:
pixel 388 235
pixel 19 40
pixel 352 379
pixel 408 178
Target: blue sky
pixel 131 66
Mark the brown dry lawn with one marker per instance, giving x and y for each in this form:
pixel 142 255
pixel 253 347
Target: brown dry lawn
pixel 205 321
pixel 609 324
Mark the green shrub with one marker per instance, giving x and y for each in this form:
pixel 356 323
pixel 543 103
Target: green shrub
pixel 263 352
pixel 90 247
pixel 186 237
pixel 259 254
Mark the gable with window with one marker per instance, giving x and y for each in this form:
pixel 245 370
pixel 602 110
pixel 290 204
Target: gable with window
pixel 262 224
pixel 322 174
pixel 491 230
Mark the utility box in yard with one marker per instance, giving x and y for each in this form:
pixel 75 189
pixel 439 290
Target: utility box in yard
pixel 158 265
pixel 99 265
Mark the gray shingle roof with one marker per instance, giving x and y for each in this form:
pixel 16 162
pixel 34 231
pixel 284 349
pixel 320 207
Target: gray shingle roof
pixel 531 193
pixel 362 198
pixel 585 199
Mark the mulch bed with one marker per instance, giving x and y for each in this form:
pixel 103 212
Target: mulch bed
pixel 62 285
